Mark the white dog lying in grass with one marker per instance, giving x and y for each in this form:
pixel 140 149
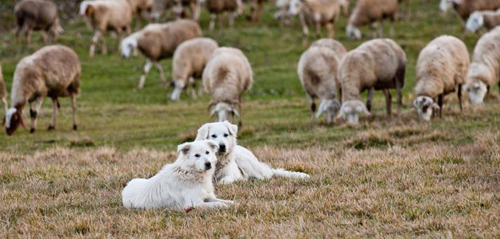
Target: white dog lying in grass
pixel 187 183
pixel 236 162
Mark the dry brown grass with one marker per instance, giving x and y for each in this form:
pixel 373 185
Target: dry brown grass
pixel 383 190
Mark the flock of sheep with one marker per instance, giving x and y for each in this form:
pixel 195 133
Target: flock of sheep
pixel 326 70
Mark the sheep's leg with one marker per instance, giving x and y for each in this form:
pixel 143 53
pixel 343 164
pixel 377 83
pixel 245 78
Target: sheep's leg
pixel 138 20
pixel 318 29
pixel 388 101
pixel 392 28
pixel 28 36
pixel 374 30
pixel 369 99
pixel 459 93
pixel 258 12
pixel 104 48
pixel 440 104
pixel 331 30
pixel 195 8
pixel 212 22
pixel 95 41
pixel 73 106
pixel 381 29
pixel 192 83
pixel 34 112
pixel 221 19
pixel 340 95
pixel 231 18
pixel 145 72
pixel 53 120
pixel 163 80
pixel 305 30
pixel 5 104
pixel 313 107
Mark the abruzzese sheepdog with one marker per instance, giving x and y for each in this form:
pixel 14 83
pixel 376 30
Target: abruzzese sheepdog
pixel 187 183
pixel 235 162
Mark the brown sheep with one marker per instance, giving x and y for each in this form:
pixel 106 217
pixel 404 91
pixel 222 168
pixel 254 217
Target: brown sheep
pixel 372 11
pixel 218 7
pixel 465 8
pixel 37 15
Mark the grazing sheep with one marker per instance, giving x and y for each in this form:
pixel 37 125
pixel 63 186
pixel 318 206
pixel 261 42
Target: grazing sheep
pixel 218 7
pixel 227 75
pixel 465 8
pixel 317 70
pixel 159 41
pixel 318 13
pixel 486 19
pixel 178 8
pixel 484 70
pixel 371 12
pixel 441 69
pixel 189 61
pixel 257 9
pixel 3 91
pixel 37 15
pixel 378 64
pixel 142 9
pixel 52 71
pixel 102 16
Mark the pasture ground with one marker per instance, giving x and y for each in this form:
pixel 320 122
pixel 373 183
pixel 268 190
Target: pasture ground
pixel 389 177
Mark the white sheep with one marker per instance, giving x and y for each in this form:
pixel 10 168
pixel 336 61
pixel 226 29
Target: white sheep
pixel 226 77
pixel 465 8
pixel 102 16
pixel 484 70
pixel 218 7
pixel 378 64
pixel 372 12
pixel 189 61
pixel 441 69
pixel 52 71
pixel 480 19
pixel 3 91
pixel 159 41
pixel 317 13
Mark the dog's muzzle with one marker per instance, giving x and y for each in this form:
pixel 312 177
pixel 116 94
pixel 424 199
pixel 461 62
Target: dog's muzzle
pixel 208 165
pixel 222 148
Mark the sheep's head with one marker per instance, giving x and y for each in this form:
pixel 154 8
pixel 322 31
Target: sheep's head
pixel 447 5
pixel 223 110
pixel 295 7
pixel 13 118
pixel 425 106
pixel 55 30
pixel 179 86
pixel 329 107
pixel 351 110
pixel 353 32
pixel 475 22
pixel 477 91
pixel 127 46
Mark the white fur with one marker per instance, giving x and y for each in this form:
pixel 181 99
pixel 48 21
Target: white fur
pixel 475 22
pixel 236 162
pixel 351 110
pixel 353 32
pixel 185 183
pixel 8 116
pixel 425 106
pixel 224 111
pixel 447 5
pixel 477 92
pixel 83 7
pixel 128 45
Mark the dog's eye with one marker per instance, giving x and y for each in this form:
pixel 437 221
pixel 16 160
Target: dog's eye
pixel 197 155
pixel 225 135
pixel 207 152
pixel 214 136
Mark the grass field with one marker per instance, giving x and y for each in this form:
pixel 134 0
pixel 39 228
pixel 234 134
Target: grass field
pixel 389 177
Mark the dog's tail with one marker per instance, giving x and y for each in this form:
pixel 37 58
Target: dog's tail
pixel 289 174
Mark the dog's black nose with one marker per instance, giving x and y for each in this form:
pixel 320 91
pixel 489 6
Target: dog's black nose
pixel 208 165
pixel 222 148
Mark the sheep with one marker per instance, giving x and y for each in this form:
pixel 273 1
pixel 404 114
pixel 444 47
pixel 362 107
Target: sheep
pixel 441 69
pixel 317 70
pixel 106 15
pixel 141 9
pixel 227 75
pixel 465 8
pixel 37 15
pixel 379 64
pixel 484 70
pixel 178 8
pixel 52 71
pixel 372 12
pixel 3 92
pixel 217 7
pixel 159 41
pixel 189 61
pixel 257 9
pixel 480 19
pixel 318 13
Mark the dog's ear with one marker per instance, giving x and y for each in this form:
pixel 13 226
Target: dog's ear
pixel 213 145
pixel 233 129
pixel 203 132
pixel 184 148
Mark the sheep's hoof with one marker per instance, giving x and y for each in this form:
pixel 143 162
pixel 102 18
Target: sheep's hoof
pixel 75 127
pixel 51 128
pixel 32 130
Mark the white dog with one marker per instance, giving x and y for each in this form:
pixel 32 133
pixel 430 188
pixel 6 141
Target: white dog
pixel 184 184
pixel 236 162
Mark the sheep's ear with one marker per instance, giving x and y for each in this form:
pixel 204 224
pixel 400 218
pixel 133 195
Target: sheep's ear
pixel 203 132
pixel 341 112
pixel 435 106
pixel 183 148
pixel 233 129
pixel 213 145
pixel 416 104
pixel 321 109
pixel 234 111
pixel 362 109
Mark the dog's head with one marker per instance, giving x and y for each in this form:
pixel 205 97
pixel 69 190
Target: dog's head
pixel 199 155
pixel 222 133
pixel 425 106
